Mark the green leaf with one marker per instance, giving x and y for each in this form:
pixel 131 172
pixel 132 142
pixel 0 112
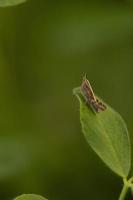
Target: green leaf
pixel 4 3
pixel 107 134
pixel 30 197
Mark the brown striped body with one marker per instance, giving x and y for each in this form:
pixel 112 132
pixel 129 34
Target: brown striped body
pixel 88 93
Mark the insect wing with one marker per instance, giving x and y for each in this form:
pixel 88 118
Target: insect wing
pixel 88 93
pixel 87 90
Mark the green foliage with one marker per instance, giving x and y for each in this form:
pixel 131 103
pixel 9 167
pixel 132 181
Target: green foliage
pixel 30 197
pixel 107 134
pixel 45 48
pixel 4 3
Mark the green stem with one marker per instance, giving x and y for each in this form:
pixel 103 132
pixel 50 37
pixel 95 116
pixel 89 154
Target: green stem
pixel 124 190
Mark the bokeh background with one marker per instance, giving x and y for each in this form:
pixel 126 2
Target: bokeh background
pixel 45 49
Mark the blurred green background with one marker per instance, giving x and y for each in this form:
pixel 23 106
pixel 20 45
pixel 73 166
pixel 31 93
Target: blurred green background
pixel 45 49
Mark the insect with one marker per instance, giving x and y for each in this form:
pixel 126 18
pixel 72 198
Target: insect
pixel 90 98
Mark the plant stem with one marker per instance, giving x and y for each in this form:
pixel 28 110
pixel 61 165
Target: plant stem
pixel 124 190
